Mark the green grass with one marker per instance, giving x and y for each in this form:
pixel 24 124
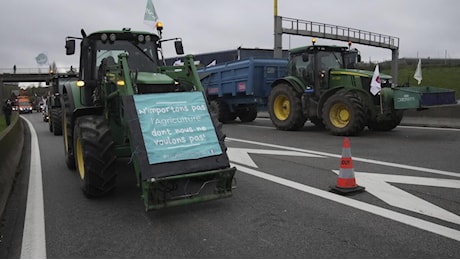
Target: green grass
pixel 3 123
pixel 442 76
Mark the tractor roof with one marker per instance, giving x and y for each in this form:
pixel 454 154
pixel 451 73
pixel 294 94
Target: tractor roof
pixel 313 48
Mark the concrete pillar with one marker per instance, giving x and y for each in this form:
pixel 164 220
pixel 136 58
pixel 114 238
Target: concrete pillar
pixel 278 34
pixel 394 65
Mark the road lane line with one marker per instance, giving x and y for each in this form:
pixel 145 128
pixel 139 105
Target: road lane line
pixel 33 238
pixel 396 165
pixel 386 213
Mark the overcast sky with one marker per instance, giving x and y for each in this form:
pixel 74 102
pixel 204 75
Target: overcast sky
pixel 426 28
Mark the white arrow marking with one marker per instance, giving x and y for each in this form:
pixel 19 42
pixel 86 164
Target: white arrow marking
pixel 379 185
pixel 386 213
pixel 241 155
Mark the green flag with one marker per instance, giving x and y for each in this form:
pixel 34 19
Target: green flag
pixel 150 16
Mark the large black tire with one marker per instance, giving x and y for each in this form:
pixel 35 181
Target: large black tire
pixel 56 121
pixel 344 114
pixel 95 155
pixel 285 108
pixel 248 114
pixel 387 123
pixel 67 133
pixel 221 110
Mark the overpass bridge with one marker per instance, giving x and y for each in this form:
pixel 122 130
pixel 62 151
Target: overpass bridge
pixel 291 26
pixel 17 75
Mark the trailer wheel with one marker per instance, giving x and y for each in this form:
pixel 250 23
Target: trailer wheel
pixel 220 109
pixel 95 155
pixel 285 108
pixel 387 124
pixel 67 133
pixel 56 121
pixel 248 114
pixel 344 114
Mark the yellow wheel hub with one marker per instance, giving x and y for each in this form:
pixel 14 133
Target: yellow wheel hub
pixel 79 157
pixel 282 107
pixel 339 115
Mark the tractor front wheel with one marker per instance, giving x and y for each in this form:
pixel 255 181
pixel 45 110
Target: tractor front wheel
pixel 344 114
pixel 94 155
pixel 285 108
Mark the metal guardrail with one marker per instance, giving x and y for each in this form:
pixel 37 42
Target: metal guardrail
pixel 335 32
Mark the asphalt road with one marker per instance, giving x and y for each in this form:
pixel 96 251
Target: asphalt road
pixel 281 208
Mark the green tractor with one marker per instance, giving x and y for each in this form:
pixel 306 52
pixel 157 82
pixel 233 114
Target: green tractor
pixel 53 101
pixel 127 103
pixel 324 86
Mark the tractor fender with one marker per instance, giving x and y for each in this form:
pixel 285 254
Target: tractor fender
pixel 294 82
pixel 74 103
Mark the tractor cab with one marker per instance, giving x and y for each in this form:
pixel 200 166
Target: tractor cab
pixel 314 65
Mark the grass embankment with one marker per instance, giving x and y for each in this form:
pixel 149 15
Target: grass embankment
pixel 433 76
pixel 3 122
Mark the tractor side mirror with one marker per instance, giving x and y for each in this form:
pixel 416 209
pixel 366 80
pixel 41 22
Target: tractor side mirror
pixel 359 58
pixel 179 47
pixel 70 47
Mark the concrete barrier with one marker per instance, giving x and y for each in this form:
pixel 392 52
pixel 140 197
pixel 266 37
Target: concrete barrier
pixel 11 144
pixel 444 116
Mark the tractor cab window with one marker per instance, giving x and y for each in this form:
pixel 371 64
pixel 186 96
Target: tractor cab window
pixel 330 60
pixel 141 56
pixel 301 66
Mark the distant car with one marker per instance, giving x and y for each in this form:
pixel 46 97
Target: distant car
pixel 45 113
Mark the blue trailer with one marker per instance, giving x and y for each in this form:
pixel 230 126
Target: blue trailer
pixel 241 88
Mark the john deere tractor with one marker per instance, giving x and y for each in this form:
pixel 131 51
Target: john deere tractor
pixel 324 86
pixel 126 103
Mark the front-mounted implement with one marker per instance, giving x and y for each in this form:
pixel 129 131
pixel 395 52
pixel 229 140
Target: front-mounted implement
pixel 127 104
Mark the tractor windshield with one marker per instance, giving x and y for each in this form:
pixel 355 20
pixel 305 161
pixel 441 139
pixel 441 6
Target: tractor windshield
pixel 141 56
pixel 330 60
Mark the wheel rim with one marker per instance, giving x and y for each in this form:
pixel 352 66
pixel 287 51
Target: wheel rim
pixel 339 115
pixel 282 107
pixel 80 161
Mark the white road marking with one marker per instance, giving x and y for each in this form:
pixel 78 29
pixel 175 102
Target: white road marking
pixel 379 185
pixel 386 213
pixel 241 155
pixel 396 165
pixel 33 238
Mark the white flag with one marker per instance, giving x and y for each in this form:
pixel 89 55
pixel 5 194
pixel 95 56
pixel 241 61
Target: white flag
pixel 375 82
pixel 418 72
pixel 150 16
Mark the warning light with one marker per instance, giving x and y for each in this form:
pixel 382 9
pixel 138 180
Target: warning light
pixel 349 44
pixel 313 41
pixel 159 26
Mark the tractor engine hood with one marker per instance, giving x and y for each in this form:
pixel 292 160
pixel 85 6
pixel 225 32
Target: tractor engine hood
pixel 359 73
pixel 149 78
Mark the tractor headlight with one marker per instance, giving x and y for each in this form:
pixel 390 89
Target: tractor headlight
pixel 112 37
pixel 104 37
pixel 80 83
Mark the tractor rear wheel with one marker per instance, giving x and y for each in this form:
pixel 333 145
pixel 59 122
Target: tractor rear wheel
pixel 344 114
pixel 67 132
pixel 95 155
pixel 285 108
pixel 56 121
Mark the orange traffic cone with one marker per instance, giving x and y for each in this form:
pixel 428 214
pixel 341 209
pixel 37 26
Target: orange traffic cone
pixel 346 182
